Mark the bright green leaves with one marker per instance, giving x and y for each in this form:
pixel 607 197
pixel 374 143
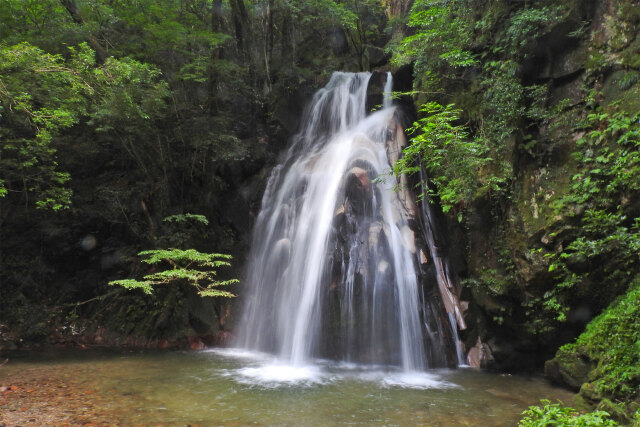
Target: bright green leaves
pixel 609 169
pixel 189 266
pixel 186 218
pixel 451 158
pixel 557 414
pixel 184 257
pixel 316 13
pixel 163 26
pixel 143 285
pixel 129 94
pixel 41 89
pixel 186 266
pixel 42 22
pixel 440 32
pixel 528 24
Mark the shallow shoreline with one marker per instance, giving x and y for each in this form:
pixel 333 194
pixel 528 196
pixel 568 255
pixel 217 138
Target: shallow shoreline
pixel 46 396
pixel 90 387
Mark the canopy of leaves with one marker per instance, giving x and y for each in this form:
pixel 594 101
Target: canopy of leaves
pixel 42 95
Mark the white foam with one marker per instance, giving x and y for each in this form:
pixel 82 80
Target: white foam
pixel 402 379
pixel 275 375
pixel 418 380
pixel 240 353
pixel 266 370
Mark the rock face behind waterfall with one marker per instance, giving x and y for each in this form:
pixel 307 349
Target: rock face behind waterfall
pixel 336 270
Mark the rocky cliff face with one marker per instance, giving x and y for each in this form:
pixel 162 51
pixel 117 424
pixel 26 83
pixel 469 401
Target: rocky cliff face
pixel 505 251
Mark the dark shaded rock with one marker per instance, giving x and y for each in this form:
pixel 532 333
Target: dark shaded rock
pixel 358 190
pixel 375 90
pixel 377 56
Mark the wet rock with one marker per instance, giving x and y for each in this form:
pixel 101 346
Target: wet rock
pixel 223 338
pixel 195 343
pixel 375 90
pixel 568 369
pixel 358 190
pixel 480 355
pixel 394 145
pixel 375 231
pixel 408 239
pixel 383 266
pixel 377 56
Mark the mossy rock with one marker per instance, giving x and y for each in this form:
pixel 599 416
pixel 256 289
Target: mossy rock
pixel 622 87
pixel 604 362
pixel 569 369
pixel 618 412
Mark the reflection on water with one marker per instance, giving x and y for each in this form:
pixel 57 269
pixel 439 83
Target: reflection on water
pixel 227 388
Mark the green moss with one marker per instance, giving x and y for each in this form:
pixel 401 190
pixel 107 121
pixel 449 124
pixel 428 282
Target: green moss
pixel 631 55
pixel 622 88
pixel 569 368
pixel 611 342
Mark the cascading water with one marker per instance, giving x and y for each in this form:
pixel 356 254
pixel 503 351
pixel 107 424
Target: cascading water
pixel 334 266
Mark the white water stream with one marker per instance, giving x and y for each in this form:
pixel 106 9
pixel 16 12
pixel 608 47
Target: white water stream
pixel 333 269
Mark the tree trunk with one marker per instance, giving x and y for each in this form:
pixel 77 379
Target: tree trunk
pixel 72 8
pixel 240 20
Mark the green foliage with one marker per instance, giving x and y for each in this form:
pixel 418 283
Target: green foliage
pixel 557 414
pixel 612 342
pixel 44 23
pixel 39 97
pixel 441 32
pixel 185 218
pixel 42 96
pixel 444 148
pixel 128 94
pixel 452 41
pixel 189 266
pixel 610 171
pixel 176 105
pixel 528 24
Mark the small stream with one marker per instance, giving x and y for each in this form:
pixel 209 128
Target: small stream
pixel 225 387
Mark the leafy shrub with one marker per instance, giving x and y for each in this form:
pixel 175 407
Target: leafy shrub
pixel 444 149
pixel 550 414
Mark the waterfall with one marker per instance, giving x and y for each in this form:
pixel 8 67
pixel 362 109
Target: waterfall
pixel 334 268
pixel 387 92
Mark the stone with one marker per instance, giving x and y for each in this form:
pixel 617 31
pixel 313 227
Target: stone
pixel 480 355
pixel 358 189
pixel 375 230
pixel 568 369
pixel 383 266
pixel 195 343
pixel 423 258
pixel 408 239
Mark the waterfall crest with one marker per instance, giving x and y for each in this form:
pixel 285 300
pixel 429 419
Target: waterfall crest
pixel 334 268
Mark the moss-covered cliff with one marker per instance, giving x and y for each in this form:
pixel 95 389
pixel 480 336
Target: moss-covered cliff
pixel 544 230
